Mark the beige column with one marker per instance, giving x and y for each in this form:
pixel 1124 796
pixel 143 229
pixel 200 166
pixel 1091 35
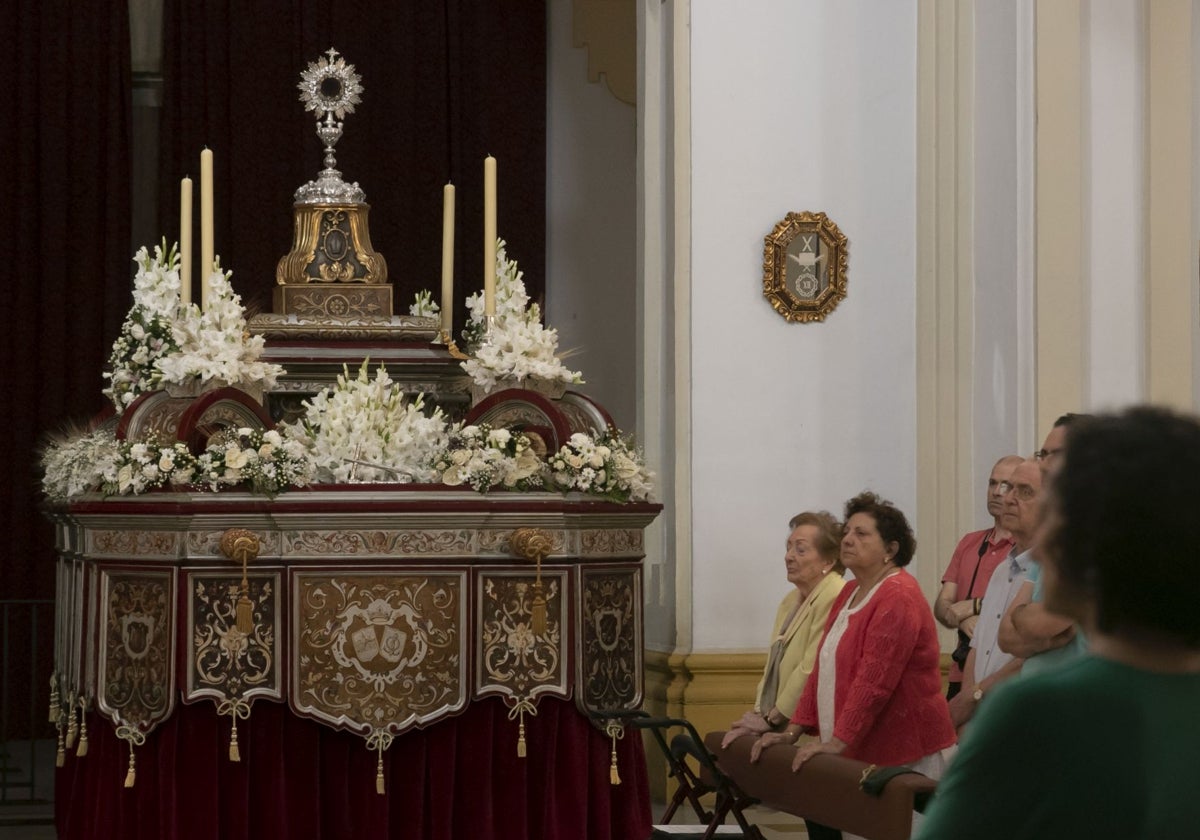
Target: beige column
pixel 945 281
pixel 1059 298
pixel 1171 251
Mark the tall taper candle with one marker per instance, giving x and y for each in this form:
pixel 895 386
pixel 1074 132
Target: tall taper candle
pixel 206 224
pixel 185 241
pixel 489 235
pixel 448 259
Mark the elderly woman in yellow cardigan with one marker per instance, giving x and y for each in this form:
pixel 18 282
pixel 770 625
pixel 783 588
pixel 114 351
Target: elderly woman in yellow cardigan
pixel 815 571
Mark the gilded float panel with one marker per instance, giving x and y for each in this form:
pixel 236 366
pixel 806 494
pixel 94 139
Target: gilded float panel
pixel 378 652
pixel 137 647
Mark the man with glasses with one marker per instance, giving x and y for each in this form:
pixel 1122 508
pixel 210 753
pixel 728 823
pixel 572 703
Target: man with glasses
pixel 987 665
pixel 977 555
pixel 1045 640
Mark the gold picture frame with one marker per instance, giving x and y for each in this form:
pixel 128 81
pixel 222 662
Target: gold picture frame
pixel 804 267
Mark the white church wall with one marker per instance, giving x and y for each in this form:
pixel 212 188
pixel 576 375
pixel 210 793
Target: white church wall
pixel 795 106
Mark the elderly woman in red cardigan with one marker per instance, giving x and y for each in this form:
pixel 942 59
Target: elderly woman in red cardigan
pixel 876 691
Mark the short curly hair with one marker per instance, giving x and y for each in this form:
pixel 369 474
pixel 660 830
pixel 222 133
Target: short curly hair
pixel 1127 535
pixel 889 521
pixel 829 534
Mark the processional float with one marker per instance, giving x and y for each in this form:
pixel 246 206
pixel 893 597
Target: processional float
pixel 384 609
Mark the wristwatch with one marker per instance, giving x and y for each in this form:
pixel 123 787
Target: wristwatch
pixel 978 695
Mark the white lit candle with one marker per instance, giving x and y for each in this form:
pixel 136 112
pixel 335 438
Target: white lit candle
pixel 448 259
pixel 489 235
pixel 207 256
pixel 185 241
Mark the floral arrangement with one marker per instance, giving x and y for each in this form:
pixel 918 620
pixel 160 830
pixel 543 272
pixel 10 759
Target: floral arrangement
pixel 165 341
pixel 484 458
pixel 517 346
pixel 364 430
pixel 263 460
pixel 146 335
pixel 77 462
pixel 423 305
pixel 267 461
pixel 607 466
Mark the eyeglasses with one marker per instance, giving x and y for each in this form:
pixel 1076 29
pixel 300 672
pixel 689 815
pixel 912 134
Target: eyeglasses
pixel 1046 454
pixel 1024 492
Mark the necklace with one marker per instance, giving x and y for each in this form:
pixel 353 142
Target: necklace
pixel 862 592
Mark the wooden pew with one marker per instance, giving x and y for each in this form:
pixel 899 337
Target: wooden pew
pixel 826 790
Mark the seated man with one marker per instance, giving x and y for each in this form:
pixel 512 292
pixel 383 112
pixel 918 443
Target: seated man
pixel 987 665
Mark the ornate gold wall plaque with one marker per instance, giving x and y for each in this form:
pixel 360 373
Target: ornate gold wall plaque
pixel 804 267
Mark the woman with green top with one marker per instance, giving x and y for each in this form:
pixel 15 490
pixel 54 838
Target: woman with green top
pixel 1105 746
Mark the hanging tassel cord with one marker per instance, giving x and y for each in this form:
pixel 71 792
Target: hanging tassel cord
pixel 242 546
pixel 615 731
pixel 534 545
pixel 379 740
pixel 135 738
pixel 72 724
pixel 55 699
pixel 236 708
pixel 60 756
pixel 522 708
pixel 82 749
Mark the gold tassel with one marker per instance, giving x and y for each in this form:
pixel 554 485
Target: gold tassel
pixel 72 727
pixel 245 612
pixel 83 739
pixel 131 773
pixel 55 700
pixel 379 740
pixel 60 758
pixel 537 612
pixel 521 737
pixel 234 753
pixel 614 731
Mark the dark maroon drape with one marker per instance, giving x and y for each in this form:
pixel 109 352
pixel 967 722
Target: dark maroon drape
pixel 65 182
pixel 298 780
pixel 446 82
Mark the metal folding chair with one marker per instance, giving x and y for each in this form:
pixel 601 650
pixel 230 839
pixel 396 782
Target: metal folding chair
pixel 692 785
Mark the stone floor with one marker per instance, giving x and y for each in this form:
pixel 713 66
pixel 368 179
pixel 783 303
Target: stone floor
pixel 27 799
pixel 774 825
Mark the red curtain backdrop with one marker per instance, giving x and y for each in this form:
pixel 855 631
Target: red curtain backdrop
pixel 65 214
pixel 298 780
pixel 445 84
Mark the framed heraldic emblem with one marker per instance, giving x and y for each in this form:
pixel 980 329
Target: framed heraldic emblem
pixel 804 267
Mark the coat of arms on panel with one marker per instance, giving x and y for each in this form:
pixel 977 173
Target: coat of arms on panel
pixel 609 644
pixel 378 651
pixel 137 686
